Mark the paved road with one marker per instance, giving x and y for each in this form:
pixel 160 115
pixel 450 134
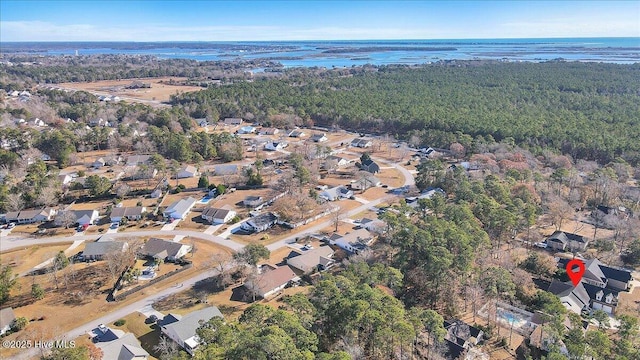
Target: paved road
pixel 7 243
pixel 10 242
pixel 122 312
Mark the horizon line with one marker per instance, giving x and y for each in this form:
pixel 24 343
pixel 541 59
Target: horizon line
pixel 319 40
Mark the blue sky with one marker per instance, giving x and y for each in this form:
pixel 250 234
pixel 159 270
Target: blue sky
pixel 166 20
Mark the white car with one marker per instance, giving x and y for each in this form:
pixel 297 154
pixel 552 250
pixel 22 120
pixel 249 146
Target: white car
pixel 541 245
pixel 11 225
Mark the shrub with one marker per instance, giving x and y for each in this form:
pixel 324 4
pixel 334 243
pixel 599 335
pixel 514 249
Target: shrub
pixel 19 324
pixel 120 322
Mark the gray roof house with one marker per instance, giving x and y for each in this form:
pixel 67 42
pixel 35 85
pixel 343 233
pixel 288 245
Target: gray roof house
pixel 336 193
pixel 164 249
pixel 183 331
pixel 561 240
pixel 98 249
pixel 361 143
pixel 252 201
pixel 260 223
pixel 311 260
pixel 126 347
pixel 370 166
pixel 354 241
pixel 365 182
pixel 217 215
pixel 131 213
pixel 134 160
pixel 6 320
pixel 233 121
pixel 319 137
pixel 83 217
pixel 180 208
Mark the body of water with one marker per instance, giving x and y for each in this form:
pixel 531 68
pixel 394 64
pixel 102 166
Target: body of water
pixel 349 53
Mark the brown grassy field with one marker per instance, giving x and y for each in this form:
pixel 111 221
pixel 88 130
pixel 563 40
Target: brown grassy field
pixel 160 90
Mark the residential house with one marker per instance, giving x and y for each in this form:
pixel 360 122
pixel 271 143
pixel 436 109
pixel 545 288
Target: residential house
pixel 597 290
pixel 126 347
pixel 218 215
pixel 365 182
pixel 83 217
pixel 354 241
pixel 164 249
pixel 275 146
pixel 98 122
pixel 202 122
pixel 100 162
pixel 460 338
pixel 227 169
pixel 428 193
pixel 561 240
pixel 296 133
pixel 157 193
pixel 598 274
pixel 333 161
pixel 361 143
pixel 375 226
pixel 188 171
pixel 179 209
pixel 233 121
pixel 183 331
pixel 135 160
pixel 248 129
pixel 260 223
pixel 370 166
pixel 65 179
pixel 252 201
pixel 270 282
pixel 319 137
pixel 269 131
pixel 7 317
pixel 336 193
pixel 39 123
pixel 30 216
pixel 97 250
pixel 130 213
pixel 311 260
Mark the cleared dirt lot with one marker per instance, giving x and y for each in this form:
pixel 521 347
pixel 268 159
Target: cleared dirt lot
pixel 160 89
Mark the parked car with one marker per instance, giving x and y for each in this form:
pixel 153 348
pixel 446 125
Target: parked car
pixel 11 225
pixel 541 245
pixel 114 225
pixel 307 247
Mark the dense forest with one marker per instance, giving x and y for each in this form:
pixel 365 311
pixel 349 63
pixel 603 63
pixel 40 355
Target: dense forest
pixel 587 110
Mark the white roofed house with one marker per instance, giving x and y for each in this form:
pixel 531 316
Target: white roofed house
pixel 218 215
pixel 83 217
pixel 182 329
pixel 180 208
pixel 274 146
pixel 100 162
pixel 248 129
pixel 65 179
pixel 361 143
pixel 187 172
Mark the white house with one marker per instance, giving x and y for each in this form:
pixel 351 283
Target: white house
pixel 7 317
pixel 218 215
pixel 361 143
pixel 354 241
pixel 83 217
pixel 336 193
pixel 180 208
pixel 274 146
pixel 296 133
pixel 65 179
pixel 131 213
pixel 182 329
pixel 187 172
pixel 248 129
pixel 319 137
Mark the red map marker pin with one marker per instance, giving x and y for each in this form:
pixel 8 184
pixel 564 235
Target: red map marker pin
pixel 575 276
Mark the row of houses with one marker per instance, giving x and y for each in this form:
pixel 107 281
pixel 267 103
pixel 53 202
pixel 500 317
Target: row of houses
pixel 153 248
